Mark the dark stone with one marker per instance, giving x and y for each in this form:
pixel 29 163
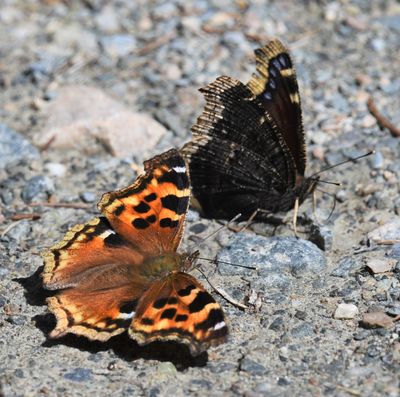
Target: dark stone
pixel 344 267
pixel 300 314
pixel 277 324
pixel 252 367
pixel 303 330
pixel 362 334
pixel 154 392
pixel 88 197
pixel 79 375
pixel 38 188
pixel 283 381
pixel 198 228
pixel 16 319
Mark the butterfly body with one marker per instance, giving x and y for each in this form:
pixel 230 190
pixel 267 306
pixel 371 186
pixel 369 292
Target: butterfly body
pixel 248 146
pixel 122 271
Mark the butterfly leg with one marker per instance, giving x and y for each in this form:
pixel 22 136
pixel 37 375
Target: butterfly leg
pixel 295 213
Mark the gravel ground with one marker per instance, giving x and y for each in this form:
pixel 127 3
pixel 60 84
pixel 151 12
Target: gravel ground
pixel 303 333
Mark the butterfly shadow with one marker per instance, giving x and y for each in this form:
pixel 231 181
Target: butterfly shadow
pixel 122 345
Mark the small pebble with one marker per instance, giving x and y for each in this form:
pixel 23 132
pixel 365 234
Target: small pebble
pixel 88 197
pixel 346 311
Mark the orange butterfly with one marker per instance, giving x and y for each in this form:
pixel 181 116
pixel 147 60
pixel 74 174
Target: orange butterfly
pixel 121 271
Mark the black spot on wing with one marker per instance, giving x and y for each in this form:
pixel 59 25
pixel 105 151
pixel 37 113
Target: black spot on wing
pixel 140 223
pixel 181 317
pixel 150 197
pixel 214 317
pixel 202 299
pixel 151 218
pixel 168 222
pixel 168 313
pixel 128 307
pixel 186 291
pixel 160 303
pixel 147 321
pixel 175 203
pixel 179 179
pixel 119 210
pixel 142 208
pixel 114 240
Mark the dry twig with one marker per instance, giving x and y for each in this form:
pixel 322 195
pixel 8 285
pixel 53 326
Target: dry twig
pixel 60 205
pixel 382 120
pixel 33 216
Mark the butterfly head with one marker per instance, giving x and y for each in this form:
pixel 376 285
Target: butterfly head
pixel 305 187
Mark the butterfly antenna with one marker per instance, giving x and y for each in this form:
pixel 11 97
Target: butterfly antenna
pixel 330 183
pixel 223 293
pixel 343 162
pixel 333 207
pixel 227 263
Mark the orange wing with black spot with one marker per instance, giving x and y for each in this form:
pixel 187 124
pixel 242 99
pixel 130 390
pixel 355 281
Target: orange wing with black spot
pixel 178 308
pixel 99 266
pixel 150 213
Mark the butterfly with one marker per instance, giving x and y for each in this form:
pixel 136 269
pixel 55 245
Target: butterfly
pixel 121 271
pixel 247 154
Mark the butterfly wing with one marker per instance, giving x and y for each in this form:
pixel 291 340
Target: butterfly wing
pixel 98 272
pixel 150 213
pixel 237 156
pixel 275 86
pixel 178 308
pixel 99 269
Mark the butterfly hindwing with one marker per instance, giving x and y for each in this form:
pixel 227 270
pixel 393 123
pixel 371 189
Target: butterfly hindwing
pixel 150 213
pixel 178 308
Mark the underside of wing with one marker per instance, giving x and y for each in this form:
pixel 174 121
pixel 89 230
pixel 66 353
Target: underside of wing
pixel 275 86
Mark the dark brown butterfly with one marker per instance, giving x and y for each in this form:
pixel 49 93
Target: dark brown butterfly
pixel 248 148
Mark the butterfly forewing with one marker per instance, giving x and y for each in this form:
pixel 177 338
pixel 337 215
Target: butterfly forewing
pixel 150 212
pixel 275 86
pixel 178 308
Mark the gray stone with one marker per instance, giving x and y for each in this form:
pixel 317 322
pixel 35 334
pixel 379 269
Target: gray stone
pixel 88 197
pixel 38 188
pixel 303 330
pixel 345 266
pixel 252 367
pixel 271 255
pixel 14 147
pixel 16 319
pixel 79 375
pixel 376 161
